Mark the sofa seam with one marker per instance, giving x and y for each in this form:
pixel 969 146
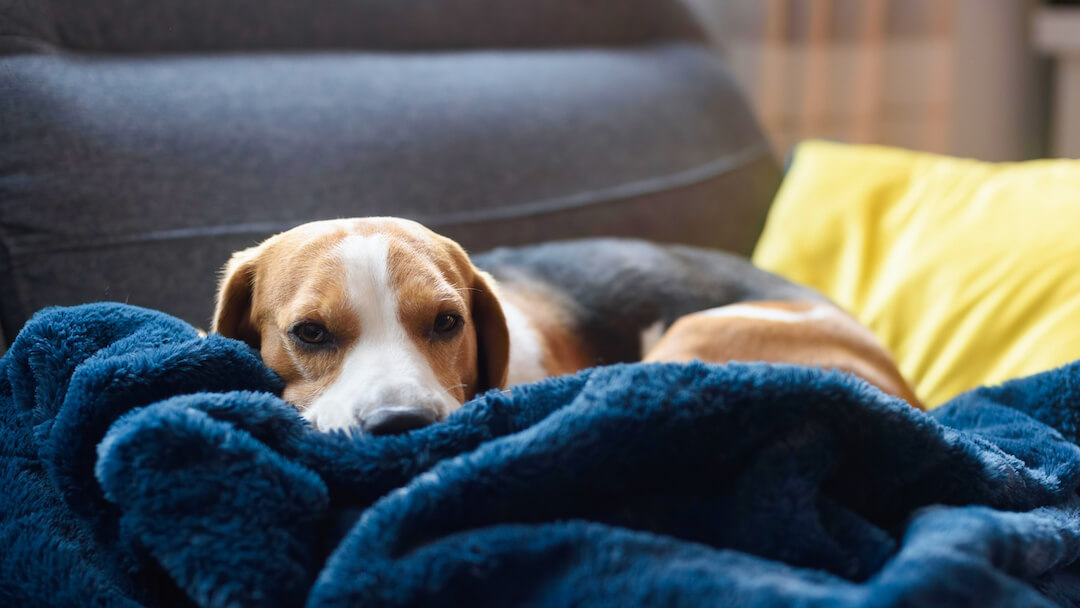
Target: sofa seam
pixel 578 200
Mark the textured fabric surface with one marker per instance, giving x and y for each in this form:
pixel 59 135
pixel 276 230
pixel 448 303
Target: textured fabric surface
pixel 132 26
pixel 965 269
pixel 143 466
pixel 133 178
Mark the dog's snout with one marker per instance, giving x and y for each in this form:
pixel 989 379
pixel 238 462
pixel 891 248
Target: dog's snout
pixel 397 419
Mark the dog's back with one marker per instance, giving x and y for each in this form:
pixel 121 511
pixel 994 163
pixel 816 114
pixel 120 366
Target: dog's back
pixel 618 291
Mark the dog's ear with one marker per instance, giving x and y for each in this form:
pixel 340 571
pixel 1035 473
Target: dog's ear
pixel 492 335
pixel 232 314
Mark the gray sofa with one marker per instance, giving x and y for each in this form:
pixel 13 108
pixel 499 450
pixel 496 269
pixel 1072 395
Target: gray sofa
pixel 143 141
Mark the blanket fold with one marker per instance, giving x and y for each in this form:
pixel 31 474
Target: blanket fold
pixel 142 465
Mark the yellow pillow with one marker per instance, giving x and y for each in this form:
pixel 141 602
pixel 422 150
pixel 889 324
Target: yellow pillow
pixel 968 271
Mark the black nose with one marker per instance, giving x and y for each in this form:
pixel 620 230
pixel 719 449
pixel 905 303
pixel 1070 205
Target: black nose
pixel 396 419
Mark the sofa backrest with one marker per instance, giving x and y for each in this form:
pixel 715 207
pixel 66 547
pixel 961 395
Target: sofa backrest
pixel 142 142
pixel 200 26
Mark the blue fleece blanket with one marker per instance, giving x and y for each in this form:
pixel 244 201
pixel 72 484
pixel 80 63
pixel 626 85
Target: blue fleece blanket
pixel 142 465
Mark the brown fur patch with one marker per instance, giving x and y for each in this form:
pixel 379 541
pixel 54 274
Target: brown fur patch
pixel 430 280
pixel 563 351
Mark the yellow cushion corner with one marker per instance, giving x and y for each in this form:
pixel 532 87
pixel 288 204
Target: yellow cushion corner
pixel 967 270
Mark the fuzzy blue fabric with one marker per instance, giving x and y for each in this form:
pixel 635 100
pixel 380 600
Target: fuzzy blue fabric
pixel 141 465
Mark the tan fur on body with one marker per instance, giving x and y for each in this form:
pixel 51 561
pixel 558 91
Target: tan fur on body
pixel 816 335
pixel 563 352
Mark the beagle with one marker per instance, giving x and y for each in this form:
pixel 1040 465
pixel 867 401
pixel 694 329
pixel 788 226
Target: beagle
pixel 383 326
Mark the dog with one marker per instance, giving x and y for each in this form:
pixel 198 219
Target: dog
pixel 382 326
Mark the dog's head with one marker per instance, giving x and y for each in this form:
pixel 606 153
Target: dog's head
pixel 376 323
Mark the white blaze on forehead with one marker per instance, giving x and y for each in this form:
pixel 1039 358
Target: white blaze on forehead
pixel 776 315
pixel 383 367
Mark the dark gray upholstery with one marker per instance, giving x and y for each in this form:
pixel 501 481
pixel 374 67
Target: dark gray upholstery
pixel 156 26
pixel 129 173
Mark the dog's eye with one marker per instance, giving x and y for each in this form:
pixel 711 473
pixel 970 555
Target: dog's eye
pixel 446 323
pixel 311 333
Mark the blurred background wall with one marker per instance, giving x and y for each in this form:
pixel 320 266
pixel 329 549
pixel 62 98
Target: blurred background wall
pixel 973 78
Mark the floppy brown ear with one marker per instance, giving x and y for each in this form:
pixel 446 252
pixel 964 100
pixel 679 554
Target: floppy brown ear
pixel 232 314
pixel 492 336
